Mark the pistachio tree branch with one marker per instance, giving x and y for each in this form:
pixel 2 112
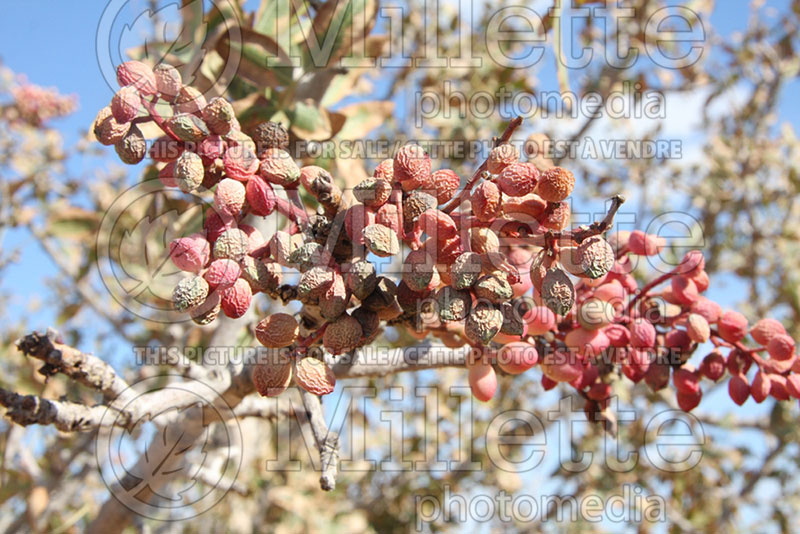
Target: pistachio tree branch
pixel 327 441
pixel 64 415
pixel 84 368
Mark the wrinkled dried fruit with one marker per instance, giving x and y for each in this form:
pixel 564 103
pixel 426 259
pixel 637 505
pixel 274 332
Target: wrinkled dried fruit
pixel 413 165
pixel 262 275
pixel 555 184
pixel 314 376
pixel 415 204
pixel 240 163
pixel 189 292
pixel 125 104
pixel 189 171
pixel 494 288
pixel 233 244
pixel 269 135
pixel 446 183
pixel 190 253
pixel 107 129
pixel 271 378
pixel 518 179
pixel 483 323
pixel 229 197
pixel 277 330
pixel 188 128
pixel 218 115
pixel 465 270
pixel 236 299
pixel 453 304
pixel 260 196
pixel 501 157
pixel 558 294
pixel 361 279
pixel 137 74
pixel 168 81
pixel 278 167
pixel 373 192
pixel 133 147
pixel 486 201
pixel 189 100
pixel 222 273
pixel 381 241
pixel 342 335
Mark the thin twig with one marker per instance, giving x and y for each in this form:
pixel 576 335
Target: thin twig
pixel 327 441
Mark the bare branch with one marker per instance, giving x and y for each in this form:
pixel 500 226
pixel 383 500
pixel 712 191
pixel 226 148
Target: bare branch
pixel 89 370
pixel 64 415
pixel 327 441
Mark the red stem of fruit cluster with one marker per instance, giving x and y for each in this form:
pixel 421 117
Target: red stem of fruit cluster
pixel 150 106
pixel 455 202
pixel 291 211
